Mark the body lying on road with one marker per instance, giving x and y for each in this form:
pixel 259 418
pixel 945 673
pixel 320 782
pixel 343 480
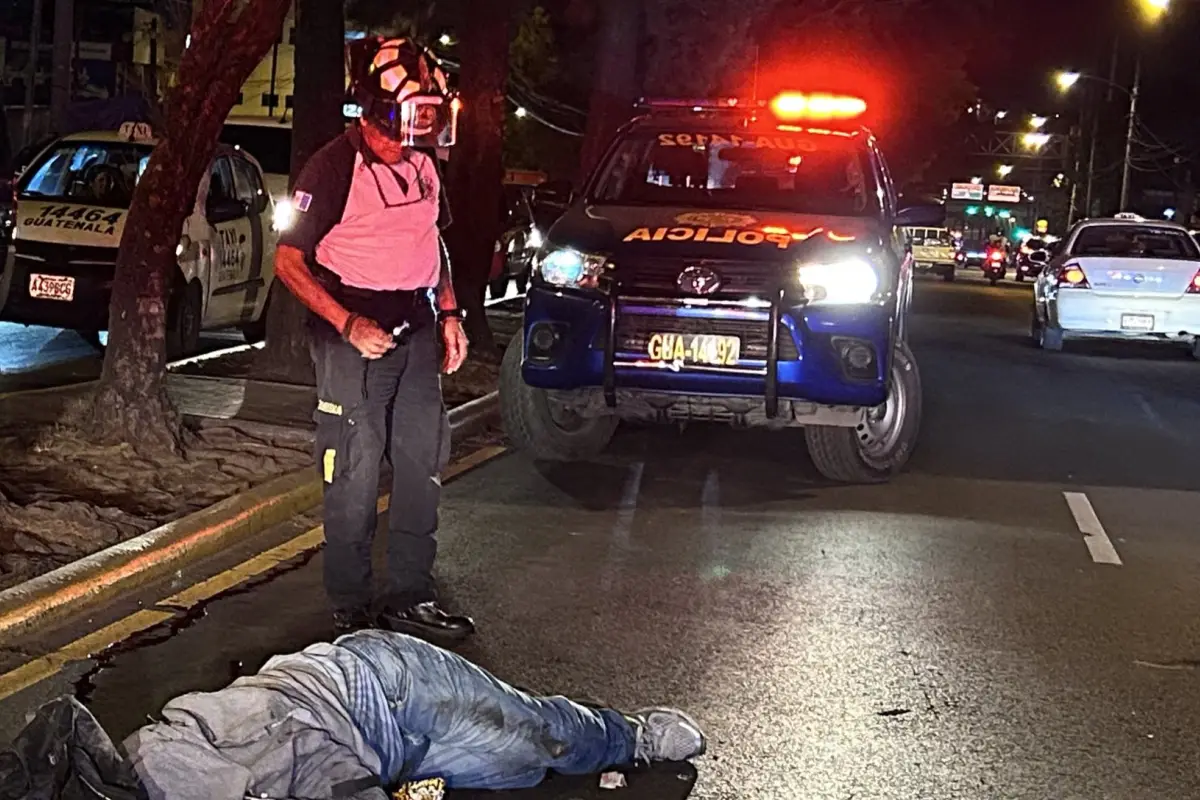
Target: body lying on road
pixel 352 719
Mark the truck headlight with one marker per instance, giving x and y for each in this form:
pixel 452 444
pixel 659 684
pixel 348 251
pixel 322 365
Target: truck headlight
pixel 571 268
pixel 284 215
pixel 839 282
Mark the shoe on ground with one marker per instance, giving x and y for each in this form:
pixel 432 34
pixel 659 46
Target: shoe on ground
pixel 428 621
pixel 666 734
pixel 351 620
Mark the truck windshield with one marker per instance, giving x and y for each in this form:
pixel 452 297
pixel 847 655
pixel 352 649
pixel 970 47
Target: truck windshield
pixel 96 173
pixel 790 172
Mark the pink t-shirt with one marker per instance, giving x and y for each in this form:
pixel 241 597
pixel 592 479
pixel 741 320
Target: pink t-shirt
pixel 387 245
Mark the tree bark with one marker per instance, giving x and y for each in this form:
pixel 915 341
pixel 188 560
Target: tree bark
pixel 476 166
pixel 614 89
pixel 131 404
pixel 319 93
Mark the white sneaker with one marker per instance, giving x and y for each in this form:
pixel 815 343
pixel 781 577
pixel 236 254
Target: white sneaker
pixel 666 734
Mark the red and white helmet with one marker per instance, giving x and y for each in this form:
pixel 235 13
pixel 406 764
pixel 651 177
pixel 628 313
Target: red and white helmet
pixel 403 91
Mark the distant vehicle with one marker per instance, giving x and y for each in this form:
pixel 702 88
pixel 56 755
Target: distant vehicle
pixel 520 240
pixel 1121 278
pixel 1033 256
pixel 995 264
pixel 72 205
pixel 726 263
pixel 933 250
pixel 973 252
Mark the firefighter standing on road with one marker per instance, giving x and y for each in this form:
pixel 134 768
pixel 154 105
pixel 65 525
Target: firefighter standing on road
pixel 365 256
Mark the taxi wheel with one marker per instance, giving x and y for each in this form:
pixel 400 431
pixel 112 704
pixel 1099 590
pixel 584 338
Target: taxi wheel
pixel 255 331
pixel 538 426
pixel 183 321
pixel 878 448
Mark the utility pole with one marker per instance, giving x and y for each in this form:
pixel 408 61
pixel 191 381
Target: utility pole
pixel 63 66
pixel 35 31
pixel 1133 98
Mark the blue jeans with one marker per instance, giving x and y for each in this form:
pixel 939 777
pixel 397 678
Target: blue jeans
pixel 446 717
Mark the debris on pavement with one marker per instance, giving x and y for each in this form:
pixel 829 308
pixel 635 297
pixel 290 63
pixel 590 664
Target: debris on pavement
pixel 429 789
pixel 613 780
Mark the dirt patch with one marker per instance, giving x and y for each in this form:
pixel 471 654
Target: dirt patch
pixel 62 502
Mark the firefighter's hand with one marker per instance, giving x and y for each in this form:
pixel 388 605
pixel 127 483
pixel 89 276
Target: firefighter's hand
pixel 369 339
pixel 455 339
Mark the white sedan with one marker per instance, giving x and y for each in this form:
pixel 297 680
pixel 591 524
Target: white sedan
pixel 1120 278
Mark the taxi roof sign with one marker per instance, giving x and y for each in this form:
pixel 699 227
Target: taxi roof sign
pixel 136 131
pixel 1130 216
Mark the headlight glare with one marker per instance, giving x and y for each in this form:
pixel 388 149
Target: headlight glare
pixel 839 283
pixel 571 268
pixel 284 215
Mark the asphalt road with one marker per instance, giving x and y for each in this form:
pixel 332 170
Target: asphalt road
pixel 952 634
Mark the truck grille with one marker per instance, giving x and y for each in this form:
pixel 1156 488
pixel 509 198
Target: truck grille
pixel 634 332
pixel 737 277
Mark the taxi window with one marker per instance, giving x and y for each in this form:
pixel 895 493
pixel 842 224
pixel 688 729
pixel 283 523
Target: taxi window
pixel 791 172
pixel 97 173
pixel 1134 241
pixel 220 183
pixel 247 185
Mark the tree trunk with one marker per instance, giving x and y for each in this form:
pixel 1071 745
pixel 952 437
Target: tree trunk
pixel 614 89
pixel 131 404
pixel 319 93
pixel 476 166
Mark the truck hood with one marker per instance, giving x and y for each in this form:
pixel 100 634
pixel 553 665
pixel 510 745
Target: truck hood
pixel 632 233
pixel 70 223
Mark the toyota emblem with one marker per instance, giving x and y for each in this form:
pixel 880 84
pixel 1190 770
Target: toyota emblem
pixel 698 280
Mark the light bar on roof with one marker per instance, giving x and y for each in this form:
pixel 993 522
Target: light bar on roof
pixel 797 105
pixel 697 104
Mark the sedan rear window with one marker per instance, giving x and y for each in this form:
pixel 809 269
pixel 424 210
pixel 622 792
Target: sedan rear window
pixel 1134 241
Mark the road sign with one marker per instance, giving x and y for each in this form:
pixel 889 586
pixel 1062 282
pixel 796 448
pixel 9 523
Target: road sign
pixel 966 191
pixel 1004 194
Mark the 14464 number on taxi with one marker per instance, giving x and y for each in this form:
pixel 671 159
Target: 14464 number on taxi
pixel 704 349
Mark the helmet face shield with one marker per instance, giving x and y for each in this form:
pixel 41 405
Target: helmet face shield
pixel 403 92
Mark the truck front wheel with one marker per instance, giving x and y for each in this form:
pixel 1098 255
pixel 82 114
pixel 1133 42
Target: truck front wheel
pixel 881 445
pixel 536 424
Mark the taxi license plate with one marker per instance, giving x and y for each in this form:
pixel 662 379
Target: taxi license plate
pixel 1137 322
pixel 52 287
pixel 705 349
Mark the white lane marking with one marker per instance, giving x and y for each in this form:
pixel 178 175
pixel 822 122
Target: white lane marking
pixel 1097 541
pixel 224 351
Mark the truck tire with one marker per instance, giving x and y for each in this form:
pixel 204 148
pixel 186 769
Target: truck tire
pixel 948 275
pixel 878 449
pixel 535 425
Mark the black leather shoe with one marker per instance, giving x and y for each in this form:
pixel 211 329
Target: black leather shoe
pixel 428 621
pixel 351 620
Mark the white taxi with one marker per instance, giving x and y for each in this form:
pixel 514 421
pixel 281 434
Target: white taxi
pixel 1120 278
pixel 72 204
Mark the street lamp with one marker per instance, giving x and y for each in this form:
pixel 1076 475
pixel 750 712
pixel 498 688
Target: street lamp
pixel 1035 141
pixel 1004 170
pixel 1066 80
pixel 1153 10
pixel 1036 122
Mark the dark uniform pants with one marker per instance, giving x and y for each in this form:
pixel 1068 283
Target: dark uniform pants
pixel 367 410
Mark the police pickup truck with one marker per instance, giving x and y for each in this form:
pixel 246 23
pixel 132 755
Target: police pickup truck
pixel 727 261
pixel 71 207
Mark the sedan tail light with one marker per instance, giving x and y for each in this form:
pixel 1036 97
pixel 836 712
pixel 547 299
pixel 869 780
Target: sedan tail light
pixel 1194 286
pixel 1071 276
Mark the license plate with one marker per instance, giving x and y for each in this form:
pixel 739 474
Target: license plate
pixel 52 287
pixel 687 348
pixel 1137 322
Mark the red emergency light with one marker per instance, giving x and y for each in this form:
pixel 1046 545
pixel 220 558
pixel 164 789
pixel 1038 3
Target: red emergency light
pixel 797 105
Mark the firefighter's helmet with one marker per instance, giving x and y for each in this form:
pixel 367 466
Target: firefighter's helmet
pixel 403 91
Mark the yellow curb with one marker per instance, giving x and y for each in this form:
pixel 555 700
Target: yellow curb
pixel 43 667
pixel 99 577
